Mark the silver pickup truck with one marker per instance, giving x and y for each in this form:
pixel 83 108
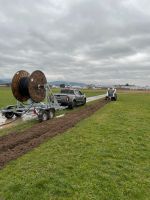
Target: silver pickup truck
pixel 70 97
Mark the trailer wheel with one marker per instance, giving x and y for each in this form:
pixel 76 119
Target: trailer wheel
pixel 114 98
pixel 51 113
pixel 9 115
pixel 43 116
pixel 18 115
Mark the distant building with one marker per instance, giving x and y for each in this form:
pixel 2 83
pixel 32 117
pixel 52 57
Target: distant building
pixel 132 87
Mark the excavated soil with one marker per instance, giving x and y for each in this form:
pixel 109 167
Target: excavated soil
pixel 15 144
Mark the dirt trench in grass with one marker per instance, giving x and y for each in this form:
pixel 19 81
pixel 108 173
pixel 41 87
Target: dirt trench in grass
pixel 14 144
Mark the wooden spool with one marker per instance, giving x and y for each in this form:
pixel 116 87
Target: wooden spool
pixel 25 86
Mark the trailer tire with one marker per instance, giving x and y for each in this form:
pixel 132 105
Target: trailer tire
pixel 51 113
pixel 115 97
pixel 43 116
pixel 9 115
pixel 18 115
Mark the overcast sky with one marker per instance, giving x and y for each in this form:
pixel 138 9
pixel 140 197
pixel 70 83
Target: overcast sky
pixel 77 40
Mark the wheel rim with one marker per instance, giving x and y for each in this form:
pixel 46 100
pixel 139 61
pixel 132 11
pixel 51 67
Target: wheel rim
pixel 10 115
pixel 51 114
pixel 44 116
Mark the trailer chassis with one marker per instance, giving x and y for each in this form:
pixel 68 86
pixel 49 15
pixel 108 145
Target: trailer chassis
pixel 44 110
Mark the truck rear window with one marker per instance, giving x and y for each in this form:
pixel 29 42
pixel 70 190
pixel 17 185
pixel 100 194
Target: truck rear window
pixel 67 91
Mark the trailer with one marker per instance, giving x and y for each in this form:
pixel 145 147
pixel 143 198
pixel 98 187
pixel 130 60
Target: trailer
pixel 44 110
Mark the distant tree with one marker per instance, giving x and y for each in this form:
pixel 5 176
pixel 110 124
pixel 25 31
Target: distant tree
pixel 127 84
pixel 62 85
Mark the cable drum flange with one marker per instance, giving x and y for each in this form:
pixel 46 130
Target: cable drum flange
pixel 36 86
pixel 16 86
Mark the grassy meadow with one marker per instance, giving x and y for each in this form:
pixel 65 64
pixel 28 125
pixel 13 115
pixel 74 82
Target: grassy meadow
pixel 6 97
pixel 104 157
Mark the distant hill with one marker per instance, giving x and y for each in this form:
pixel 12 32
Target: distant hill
pixel 57 83
pixel 4 81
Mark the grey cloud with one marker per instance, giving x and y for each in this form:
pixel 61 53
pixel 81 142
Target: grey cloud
pixel 86 40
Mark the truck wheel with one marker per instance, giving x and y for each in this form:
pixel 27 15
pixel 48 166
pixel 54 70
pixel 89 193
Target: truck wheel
pixel 84 102
pixel 72 105
pixel 43 116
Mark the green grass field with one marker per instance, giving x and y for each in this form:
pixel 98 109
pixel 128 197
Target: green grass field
pixel 104 157
pixel 6 97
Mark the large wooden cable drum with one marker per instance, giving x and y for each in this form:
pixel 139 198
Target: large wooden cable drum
pixel 25 86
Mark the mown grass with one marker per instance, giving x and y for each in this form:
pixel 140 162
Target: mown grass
pixel 6 97
pixel 105 156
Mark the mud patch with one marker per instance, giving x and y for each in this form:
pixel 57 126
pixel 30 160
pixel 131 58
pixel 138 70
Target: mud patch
pixel 6 123
pixel 14 145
